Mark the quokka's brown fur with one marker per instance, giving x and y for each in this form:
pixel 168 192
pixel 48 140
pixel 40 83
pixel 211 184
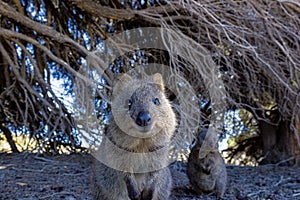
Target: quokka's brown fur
pixel 143 123
pixel 206 169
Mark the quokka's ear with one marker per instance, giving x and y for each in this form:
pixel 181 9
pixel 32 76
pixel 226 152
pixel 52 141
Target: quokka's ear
pixel 121 82
pixel 157 78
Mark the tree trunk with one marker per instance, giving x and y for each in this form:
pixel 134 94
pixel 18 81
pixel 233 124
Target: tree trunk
pixel 278 143
pixel 9 138
pixel 297 141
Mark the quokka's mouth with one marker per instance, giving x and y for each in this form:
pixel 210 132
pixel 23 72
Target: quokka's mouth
pixel 145 129
pixel 143 132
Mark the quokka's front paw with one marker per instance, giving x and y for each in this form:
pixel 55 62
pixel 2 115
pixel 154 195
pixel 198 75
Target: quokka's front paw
pixel 132 189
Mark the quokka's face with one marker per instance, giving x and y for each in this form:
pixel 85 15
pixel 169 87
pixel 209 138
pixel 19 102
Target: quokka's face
pixel 141 109
pixel 145 108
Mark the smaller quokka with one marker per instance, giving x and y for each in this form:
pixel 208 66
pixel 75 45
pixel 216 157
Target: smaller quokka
pixel 206 169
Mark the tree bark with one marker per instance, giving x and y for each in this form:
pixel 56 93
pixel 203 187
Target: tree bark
pixel 9 138
pixel 278 143
pixel 297 141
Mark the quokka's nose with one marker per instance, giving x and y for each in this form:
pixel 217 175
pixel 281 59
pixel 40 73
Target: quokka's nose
pixel 143 119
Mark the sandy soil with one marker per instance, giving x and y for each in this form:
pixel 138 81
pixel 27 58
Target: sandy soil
pixel 28 177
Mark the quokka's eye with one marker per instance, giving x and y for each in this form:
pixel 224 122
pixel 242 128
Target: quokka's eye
pixel 129 103
pixel 156 101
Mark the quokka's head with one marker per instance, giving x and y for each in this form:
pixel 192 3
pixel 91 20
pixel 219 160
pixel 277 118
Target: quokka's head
pixel 140 107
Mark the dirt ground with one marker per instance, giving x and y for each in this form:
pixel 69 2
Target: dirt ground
pixel 29 177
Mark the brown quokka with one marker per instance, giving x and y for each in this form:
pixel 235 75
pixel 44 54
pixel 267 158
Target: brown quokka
pixel 206 169
pixel 132 161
